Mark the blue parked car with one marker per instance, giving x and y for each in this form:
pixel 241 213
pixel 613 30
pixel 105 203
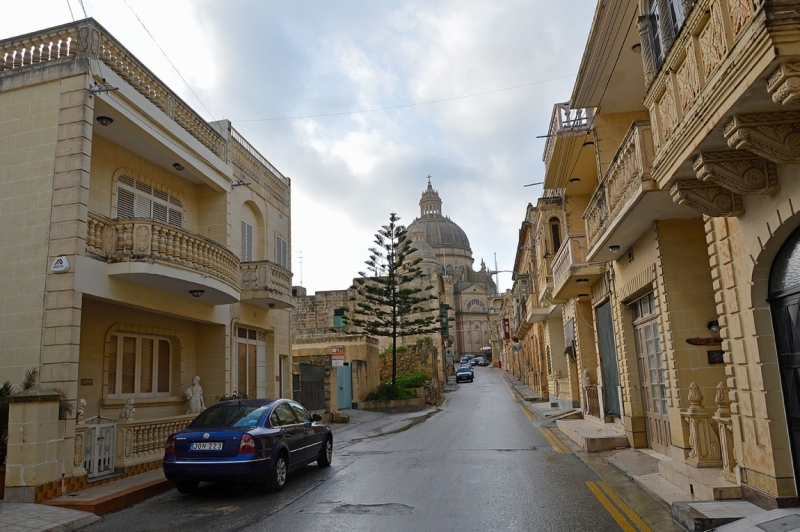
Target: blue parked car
pixel 248 440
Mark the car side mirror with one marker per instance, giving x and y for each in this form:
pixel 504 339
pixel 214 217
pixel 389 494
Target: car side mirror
pixel 316 417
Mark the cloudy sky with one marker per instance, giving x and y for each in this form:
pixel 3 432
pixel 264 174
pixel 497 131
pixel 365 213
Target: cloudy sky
pixel 273 67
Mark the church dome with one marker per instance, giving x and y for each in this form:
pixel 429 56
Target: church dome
pixel 424 251
pixel 439 230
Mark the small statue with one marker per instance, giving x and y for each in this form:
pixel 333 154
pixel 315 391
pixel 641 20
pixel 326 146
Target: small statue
pixel 587 378
pixel 127 411
pixel 79 410
pixel 194 394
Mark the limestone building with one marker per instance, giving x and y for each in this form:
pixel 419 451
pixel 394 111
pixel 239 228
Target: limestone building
pixel 667 237
pixel 141 246
pixel 444 245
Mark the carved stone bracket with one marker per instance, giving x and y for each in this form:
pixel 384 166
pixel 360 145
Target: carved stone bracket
pixel 774 136
pixel 711 200
pixel 784 84
pixel 739 172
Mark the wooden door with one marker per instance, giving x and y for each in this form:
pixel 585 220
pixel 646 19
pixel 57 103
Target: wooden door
pixel 651 373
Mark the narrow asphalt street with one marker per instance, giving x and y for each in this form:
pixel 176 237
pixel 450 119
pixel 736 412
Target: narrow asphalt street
pixel 477 463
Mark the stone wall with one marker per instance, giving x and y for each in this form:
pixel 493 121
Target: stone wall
pixel 313 315
pixel 418 357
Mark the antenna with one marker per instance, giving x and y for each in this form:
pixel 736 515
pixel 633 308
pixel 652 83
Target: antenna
pixel 300 259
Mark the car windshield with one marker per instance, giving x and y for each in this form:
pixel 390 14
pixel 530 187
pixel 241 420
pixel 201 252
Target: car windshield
pixel 463 370
pixel 228 416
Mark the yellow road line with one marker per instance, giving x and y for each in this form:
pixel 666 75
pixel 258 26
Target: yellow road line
pixel 565 448
pixel 633 516
pixel 618 517
pixel 549 438
pixel 513 395
pixel 526 412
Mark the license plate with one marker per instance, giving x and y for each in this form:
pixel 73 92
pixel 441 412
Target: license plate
pixel 207 446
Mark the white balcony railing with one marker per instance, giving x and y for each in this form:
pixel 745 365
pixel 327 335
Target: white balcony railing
pixel 566 120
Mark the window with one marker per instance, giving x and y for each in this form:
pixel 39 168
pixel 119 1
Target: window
pixel 338 317
pixel 475 305
pixel 137 199
pixel 281 252
pixel 664 27
pixel 251 353
pixel 283 415
pixel 555 232
pixel 139 366
pixel 247 242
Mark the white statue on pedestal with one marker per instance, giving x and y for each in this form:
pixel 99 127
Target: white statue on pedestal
pixel 194 394
pixel 79 411
pixel 127 411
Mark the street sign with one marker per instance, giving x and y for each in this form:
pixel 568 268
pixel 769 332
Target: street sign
pixel 337 356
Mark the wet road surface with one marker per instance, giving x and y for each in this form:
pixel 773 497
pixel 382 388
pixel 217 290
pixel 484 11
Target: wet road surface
pixel 477 463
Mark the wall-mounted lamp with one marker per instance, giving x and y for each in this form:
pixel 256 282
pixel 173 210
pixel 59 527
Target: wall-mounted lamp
pixel 588 143
pixel 197 293
pixel 575 180
pixel 713 326
pixel 177 166
pixel 613 249
pixel 581 296
pixel 105 120
pixel 582 281
pixel 637 48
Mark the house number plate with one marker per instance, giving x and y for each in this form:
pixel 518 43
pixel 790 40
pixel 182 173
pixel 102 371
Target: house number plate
pixel 207 446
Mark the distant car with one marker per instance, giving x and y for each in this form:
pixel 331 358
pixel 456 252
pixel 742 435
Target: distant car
pixel 480 361
pixel 467 359
pixel 465 373
pixel 255 440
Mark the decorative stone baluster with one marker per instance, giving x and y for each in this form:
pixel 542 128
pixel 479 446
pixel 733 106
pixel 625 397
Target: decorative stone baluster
pixel 91 241
pixel 170 243
pixel 723 418
pixel 705 451
pixel 184 240
pixel 63 45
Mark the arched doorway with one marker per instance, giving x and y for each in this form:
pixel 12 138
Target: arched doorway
pixel 784 299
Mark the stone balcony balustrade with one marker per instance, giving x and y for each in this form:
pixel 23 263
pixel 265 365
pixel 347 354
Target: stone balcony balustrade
pixel 572 271
pixel 164 257
pixel 266 284
pixel 621 189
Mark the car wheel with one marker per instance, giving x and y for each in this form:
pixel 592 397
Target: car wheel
pixel 277 478
pixel 187 486
pixel 326 454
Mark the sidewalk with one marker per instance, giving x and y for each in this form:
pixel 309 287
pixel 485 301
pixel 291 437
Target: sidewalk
pixel 640 466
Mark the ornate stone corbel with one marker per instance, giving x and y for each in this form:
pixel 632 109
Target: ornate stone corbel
pixel 774 136
pixel 711 200
pixel 740 172
pixel 784 84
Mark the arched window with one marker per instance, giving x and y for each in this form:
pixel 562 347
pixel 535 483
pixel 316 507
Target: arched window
pixel 555 232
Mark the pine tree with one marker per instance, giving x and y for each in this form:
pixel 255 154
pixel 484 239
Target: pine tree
pixel 393 299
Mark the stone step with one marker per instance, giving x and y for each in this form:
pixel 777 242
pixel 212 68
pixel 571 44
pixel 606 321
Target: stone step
pixel 591 436
pixel 703 483
pixel 113 496
pixel 698 516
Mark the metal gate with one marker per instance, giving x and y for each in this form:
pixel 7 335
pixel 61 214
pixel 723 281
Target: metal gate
pixel 312 386
pixel 344 387
pixel 99 446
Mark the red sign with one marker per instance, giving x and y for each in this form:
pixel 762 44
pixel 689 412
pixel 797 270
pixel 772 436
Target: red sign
pixel 506 333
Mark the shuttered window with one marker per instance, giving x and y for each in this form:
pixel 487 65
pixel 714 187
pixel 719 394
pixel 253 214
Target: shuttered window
pixel 139 366
pixel 281 252
pixel 137 199
pixel 247 242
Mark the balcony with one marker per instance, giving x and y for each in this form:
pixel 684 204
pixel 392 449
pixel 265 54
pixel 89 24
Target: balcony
pixel 565 124
pixel 627 201
pixel 265 284
pixel 573 274
pixel 164 257
pixel 719 64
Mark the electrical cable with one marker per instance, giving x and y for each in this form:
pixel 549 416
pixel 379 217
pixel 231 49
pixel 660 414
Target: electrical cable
pixel 403 105
pixel 168 59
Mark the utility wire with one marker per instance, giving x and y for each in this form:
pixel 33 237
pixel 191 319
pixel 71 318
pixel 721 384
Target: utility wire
pixel 168 59
pixel 403 105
